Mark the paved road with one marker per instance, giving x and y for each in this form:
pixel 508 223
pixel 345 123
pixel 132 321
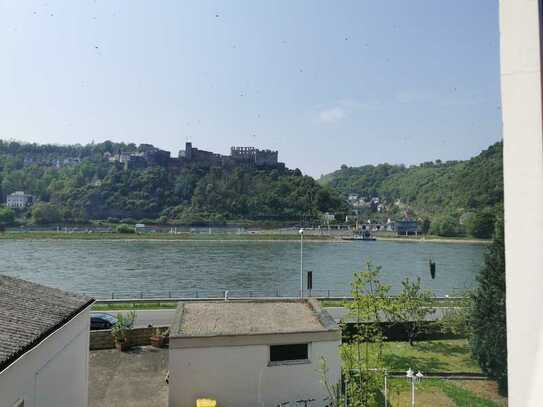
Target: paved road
pixel 155 317
pixel 163 317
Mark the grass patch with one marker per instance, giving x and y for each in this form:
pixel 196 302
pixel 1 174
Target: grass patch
pixel 442 393
pixel 446 356
pixel 452 355
pixel 463 397
pixel 134 306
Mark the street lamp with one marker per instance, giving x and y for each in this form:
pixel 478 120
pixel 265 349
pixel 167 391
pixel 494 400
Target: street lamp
pixel 301 232
pixel 410 374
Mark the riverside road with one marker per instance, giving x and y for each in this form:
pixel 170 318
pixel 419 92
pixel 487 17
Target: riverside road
pixel 164 317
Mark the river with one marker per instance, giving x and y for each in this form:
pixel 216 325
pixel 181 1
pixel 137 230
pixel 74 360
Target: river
pixel 103 268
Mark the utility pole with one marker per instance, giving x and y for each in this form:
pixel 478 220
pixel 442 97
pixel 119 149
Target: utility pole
pixel 301 232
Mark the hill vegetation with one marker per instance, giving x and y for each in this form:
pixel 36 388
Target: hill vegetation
pixel 454 197
pixel 76 184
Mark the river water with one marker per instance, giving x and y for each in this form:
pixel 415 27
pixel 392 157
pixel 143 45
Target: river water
pixel 206 268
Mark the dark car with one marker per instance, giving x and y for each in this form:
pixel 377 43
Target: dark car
pixel 101 320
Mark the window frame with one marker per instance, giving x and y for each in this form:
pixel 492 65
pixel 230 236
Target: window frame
pixel 290 361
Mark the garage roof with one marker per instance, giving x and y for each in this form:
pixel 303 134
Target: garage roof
pixel 30 312
pixel 225 318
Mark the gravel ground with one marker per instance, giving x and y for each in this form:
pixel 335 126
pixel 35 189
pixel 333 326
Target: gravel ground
pixel 128 379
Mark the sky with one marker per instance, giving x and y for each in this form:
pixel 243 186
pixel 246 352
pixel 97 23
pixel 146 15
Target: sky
pixel 326 83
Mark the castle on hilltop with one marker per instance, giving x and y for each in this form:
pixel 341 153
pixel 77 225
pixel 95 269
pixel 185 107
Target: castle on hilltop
pixel 148 155
pixel 242 156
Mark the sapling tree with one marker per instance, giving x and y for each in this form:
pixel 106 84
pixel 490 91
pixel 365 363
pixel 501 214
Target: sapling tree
pixel 455 320
pixel 363 358
pixel 412 307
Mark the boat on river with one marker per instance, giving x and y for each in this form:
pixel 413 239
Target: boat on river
pixel 366 236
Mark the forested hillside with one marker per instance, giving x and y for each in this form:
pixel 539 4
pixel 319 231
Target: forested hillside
pixel 437 190
pixel 77 184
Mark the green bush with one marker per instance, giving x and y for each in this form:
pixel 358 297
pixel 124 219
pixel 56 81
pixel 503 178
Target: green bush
pixel 124 228
pixel 44 213
pixel 7 216
pixel 487 320
pixel 125 322
pixel 481 225
pixel 446 226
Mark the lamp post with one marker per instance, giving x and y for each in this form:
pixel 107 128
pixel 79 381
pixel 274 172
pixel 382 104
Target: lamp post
pixel 301 232
pixel 410 374
pixel 386 388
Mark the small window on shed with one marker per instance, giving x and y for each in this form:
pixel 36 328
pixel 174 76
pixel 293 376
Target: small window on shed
pixel 285 353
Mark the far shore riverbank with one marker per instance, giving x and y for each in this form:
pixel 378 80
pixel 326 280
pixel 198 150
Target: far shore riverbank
pixel 217 237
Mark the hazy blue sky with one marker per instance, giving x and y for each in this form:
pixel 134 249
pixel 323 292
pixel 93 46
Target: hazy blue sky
pixel 324 82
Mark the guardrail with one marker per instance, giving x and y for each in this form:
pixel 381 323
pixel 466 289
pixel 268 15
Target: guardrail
pixel 221 293
pixel 226 295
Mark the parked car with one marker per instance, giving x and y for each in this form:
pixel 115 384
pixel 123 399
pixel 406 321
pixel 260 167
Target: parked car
pixel 101 320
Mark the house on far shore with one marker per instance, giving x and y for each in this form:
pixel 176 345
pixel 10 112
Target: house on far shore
pixel 44 346
pixel 407 228
pixel 19 200
pixel 261 353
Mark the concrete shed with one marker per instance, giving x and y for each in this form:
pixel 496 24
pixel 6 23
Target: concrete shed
pixel 44 346
pixel 260 353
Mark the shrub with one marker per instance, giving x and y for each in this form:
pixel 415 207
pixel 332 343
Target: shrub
pixel 124 228
pixel 44 213
pixel 481 225
pixel 487 321
pixel 7 216
pixel 125 322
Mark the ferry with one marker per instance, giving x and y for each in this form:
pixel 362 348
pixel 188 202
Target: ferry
pixel 366 236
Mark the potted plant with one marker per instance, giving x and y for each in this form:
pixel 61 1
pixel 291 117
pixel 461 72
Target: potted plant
pixel 120 330
pixel 160 338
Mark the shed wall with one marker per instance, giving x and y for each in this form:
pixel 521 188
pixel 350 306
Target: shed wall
pixel 54 373
pixel 239 376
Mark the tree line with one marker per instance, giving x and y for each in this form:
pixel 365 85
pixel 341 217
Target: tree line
pixel 451 198
pixel 97 189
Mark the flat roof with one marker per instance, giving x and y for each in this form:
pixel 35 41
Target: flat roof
pixel 30 312
pixel 257 317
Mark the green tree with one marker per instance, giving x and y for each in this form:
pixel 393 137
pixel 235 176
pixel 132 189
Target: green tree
pixel 411 308
pixel 481 224
pixel 446 226
pixel 124 228
pixel 425 226
pixel 44 213
pixel 363 359
pixel 7 216
pixel 488 319
pixel 455 320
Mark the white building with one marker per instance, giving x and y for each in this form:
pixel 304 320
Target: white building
pixel 44 346
pixel 251 353
pixel 19 200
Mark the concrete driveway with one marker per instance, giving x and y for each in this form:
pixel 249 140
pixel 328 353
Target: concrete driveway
pixel 128 379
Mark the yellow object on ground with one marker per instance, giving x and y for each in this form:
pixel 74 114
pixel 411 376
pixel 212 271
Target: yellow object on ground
pixel 206 403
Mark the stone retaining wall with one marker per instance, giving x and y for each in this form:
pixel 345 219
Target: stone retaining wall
pixel 137 337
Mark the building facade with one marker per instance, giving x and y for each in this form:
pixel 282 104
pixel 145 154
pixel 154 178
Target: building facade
pixel 251 353
pixel 45 346
pixel 19 200
pixel 407 227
